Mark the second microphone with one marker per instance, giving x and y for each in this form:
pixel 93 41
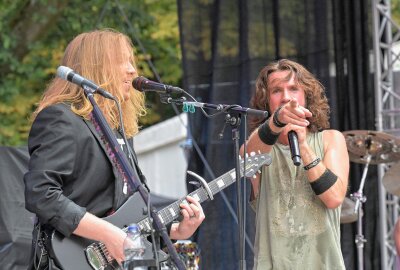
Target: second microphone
pixel 143 84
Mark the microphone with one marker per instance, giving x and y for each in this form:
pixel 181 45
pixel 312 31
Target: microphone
pixel 69 75
pixel 145 85
pixel 294 147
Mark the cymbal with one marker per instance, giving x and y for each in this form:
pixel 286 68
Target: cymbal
pixel 382 147
pixel 347 214
pixel 391 179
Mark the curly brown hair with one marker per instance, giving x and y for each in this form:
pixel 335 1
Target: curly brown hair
pixel 316 100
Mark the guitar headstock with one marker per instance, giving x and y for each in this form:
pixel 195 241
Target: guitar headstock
pixel 255 162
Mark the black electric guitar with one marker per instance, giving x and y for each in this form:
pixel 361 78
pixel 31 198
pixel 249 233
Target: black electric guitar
pixel 80 253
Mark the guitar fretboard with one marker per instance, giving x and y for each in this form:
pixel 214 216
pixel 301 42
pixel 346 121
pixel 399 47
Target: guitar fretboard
pixel 171 212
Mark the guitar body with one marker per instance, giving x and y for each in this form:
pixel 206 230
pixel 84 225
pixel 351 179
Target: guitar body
pixel 79 253
pixel 69 252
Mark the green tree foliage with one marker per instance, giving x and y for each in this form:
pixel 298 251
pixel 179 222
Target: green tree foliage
pixel 34 34
pixel 395 8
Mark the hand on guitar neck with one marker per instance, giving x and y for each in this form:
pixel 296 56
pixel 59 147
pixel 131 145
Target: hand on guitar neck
pixel 193 216
pixel 112 237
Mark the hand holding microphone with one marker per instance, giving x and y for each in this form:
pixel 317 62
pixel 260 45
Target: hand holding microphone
pixel 295 115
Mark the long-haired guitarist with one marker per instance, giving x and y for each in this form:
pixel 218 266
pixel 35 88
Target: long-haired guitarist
pixel 72 179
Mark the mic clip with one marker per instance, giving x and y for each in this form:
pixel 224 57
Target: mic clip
pixel 167 99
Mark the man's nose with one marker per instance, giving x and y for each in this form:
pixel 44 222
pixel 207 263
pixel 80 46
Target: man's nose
pixel 130 69
pixel 286 96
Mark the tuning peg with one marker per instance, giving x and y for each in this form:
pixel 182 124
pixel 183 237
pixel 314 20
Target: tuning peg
pixel 252 154
pixel 258 171
pixel 254 176
pixel 259 152
pixel 247 155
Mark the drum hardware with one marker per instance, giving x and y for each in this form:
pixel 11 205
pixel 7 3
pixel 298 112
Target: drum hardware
pixel 189 253
pixel 347 214
pixel 359 198
pixel 368 147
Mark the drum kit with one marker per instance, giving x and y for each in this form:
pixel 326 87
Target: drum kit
pixel 370 147
pixel 189 253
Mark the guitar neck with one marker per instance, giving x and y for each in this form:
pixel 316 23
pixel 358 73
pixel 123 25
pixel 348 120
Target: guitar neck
pixel 171 212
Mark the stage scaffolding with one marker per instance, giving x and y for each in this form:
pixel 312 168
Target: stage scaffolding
pixel 386 35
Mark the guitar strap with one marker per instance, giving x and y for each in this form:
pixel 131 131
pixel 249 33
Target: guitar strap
pixel 131 154
pixel 40 258
pixel 127 188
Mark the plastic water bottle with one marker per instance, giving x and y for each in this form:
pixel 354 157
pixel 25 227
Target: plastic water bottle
pixel 134 247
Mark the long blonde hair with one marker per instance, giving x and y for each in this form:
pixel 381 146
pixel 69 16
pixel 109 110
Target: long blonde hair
pixel 98 55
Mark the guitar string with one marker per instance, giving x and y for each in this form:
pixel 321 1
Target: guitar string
pixel 166 213
pixel 102 251
pixel 97 249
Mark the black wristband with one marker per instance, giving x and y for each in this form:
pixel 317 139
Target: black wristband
pixel 275 119
pixel 266 135
pixel 312 164
pixel 324 182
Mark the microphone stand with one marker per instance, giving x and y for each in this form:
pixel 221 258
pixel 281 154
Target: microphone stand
pixel 234 121
pixel 132 176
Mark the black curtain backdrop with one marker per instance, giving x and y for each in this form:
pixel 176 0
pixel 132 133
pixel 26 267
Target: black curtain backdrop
pixel 16 223
pixel 225 43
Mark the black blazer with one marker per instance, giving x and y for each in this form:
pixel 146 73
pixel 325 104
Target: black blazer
pixel 69 170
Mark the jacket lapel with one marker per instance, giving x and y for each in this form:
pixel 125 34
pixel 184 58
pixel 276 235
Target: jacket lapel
pixel 119 197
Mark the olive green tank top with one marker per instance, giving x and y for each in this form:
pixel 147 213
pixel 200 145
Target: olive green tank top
pixel 294 229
